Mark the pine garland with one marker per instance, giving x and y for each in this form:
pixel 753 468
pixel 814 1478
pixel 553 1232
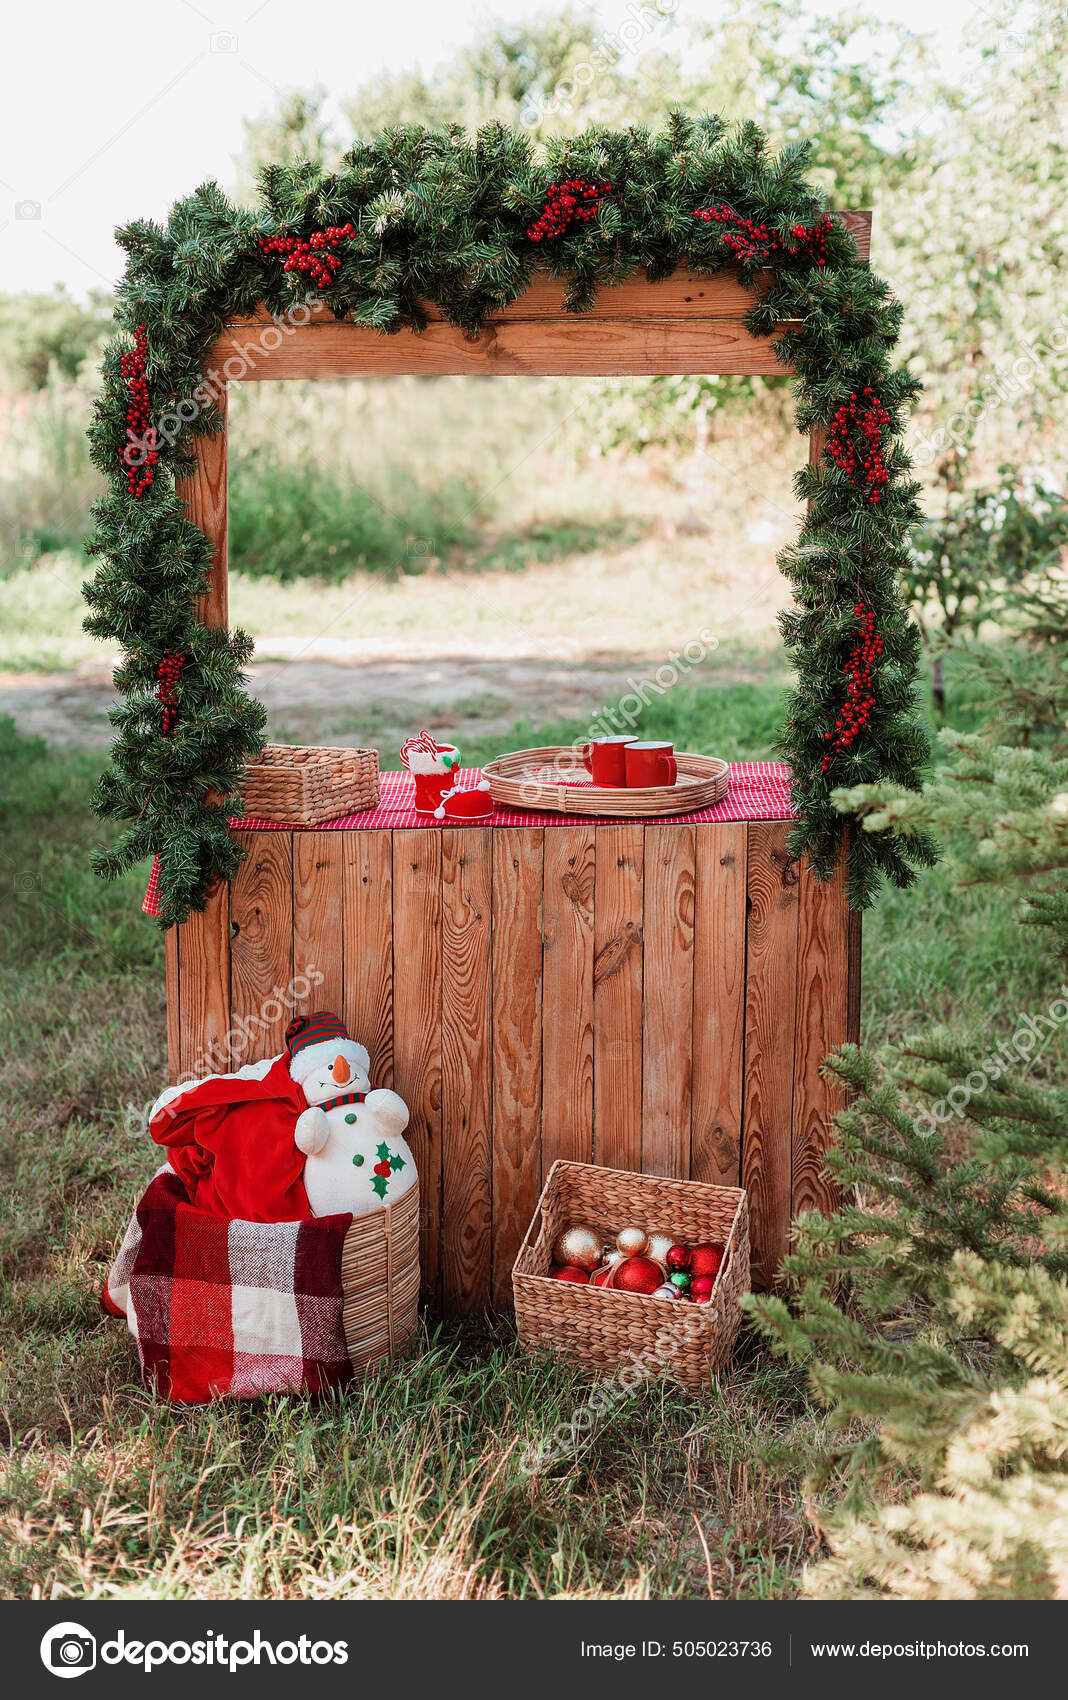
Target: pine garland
pixel 419 215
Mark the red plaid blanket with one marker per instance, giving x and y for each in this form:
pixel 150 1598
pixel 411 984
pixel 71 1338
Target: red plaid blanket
pixel 221 1307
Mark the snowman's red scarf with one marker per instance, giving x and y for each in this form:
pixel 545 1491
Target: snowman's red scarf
pixel 230 1140
pixel 345 1098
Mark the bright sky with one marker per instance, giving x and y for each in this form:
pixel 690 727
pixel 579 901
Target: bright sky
pixel 112 111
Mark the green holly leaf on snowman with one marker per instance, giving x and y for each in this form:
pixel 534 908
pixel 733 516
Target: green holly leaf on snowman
pixel 379 1185
pixel 382 1152
pixel 396 1162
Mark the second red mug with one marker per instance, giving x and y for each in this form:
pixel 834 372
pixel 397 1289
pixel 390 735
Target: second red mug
pixel 650 764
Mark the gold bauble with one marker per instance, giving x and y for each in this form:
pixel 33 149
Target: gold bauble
pixel 632 1241
pixel 659 1246
pixel 578 1245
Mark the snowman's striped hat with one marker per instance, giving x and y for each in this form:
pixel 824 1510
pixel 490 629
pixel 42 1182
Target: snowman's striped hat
pixel 314 1040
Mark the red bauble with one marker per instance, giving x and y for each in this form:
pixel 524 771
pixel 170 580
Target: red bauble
pixel 701 1298
pixel 601 1277
pixel 568 1272
pixel 638 1275
pixel 706 1258
pixel 679 1257
pixel 702 1285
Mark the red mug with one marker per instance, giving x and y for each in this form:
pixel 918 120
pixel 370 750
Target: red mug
pixel 650 764
pixel 603 757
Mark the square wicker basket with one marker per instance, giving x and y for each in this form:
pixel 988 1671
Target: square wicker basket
pixel 302 785
pixel 606 1330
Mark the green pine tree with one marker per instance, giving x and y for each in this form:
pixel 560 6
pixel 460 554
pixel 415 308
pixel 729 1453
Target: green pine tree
pixel 932 1309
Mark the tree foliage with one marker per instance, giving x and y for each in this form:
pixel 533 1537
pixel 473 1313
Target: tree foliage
pixel 932 1309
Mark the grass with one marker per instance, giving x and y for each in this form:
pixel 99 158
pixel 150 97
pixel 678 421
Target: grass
pixel 412 1485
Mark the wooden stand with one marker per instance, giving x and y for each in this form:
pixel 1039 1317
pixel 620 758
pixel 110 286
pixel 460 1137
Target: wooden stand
pixel 654 998
pixel 648 997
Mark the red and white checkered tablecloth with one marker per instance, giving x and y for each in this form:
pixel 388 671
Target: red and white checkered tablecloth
pixel 759 790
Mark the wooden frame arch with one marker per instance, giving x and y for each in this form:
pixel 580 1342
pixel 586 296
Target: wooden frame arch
pixel 685 324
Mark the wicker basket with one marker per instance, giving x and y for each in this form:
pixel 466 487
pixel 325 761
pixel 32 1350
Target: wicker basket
pixel 302 786
pixel 606 1330
pixel 380 1277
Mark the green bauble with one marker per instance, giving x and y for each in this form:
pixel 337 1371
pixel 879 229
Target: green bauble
pixel 680 1279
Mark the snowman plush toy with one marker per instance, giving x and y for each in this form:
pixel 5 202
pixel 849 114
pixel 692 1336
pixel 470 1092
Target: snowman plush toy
pixel 355 1157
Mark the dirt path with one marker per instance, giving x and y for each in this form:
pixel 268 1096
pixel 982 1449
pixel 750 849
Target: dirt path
pixel 378 700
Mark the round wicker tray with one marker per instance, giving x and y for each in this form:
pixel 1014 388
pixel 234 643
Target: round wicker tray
pixel 517 781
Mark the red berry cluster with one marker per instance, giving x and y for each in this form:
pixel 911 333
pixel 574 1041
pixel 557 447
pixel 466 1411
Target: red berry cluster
pixel 751 243
pixel 860 697
pixel 855 443
pixel 811 240
pixel 748 241
pixel 315 256
pixel 167 673
pixel 572 202
pixel 141 452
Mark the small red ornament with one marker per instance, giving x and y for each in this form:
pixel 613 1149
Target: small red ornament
pixel 706 1258
pixel 702 1284
pixel 572 202
pixel 569 1272
pixel 602 1277
pixel 700 1298
pixel 679 1257
pixel 638 1275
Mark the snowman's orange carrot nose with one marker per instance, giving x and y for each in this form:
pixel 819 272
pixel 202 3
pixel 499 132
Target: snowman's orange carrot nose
pixel 341 1070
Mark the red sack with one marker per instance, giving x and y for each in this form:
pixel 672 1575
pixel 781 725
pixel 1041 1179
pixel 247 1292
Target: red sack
pixel 230 1141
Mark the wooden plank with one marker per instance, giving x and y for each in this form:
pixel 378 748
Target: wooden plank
pixel 719 1002
pixel 617 996
pixel 203 948
pixel 855 948
pixel 517 1018
pixel 567 994
pixel 261 950
pixel 174 1021
pixel 318 921
pixel 822 1024
pixel 466 1065
pixel 204 494
pixel 770 994
pixel 859 224
pixel 667 1037
pixel 417 1024
pixel 204 989
pixel 367 928
pixel 575 346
